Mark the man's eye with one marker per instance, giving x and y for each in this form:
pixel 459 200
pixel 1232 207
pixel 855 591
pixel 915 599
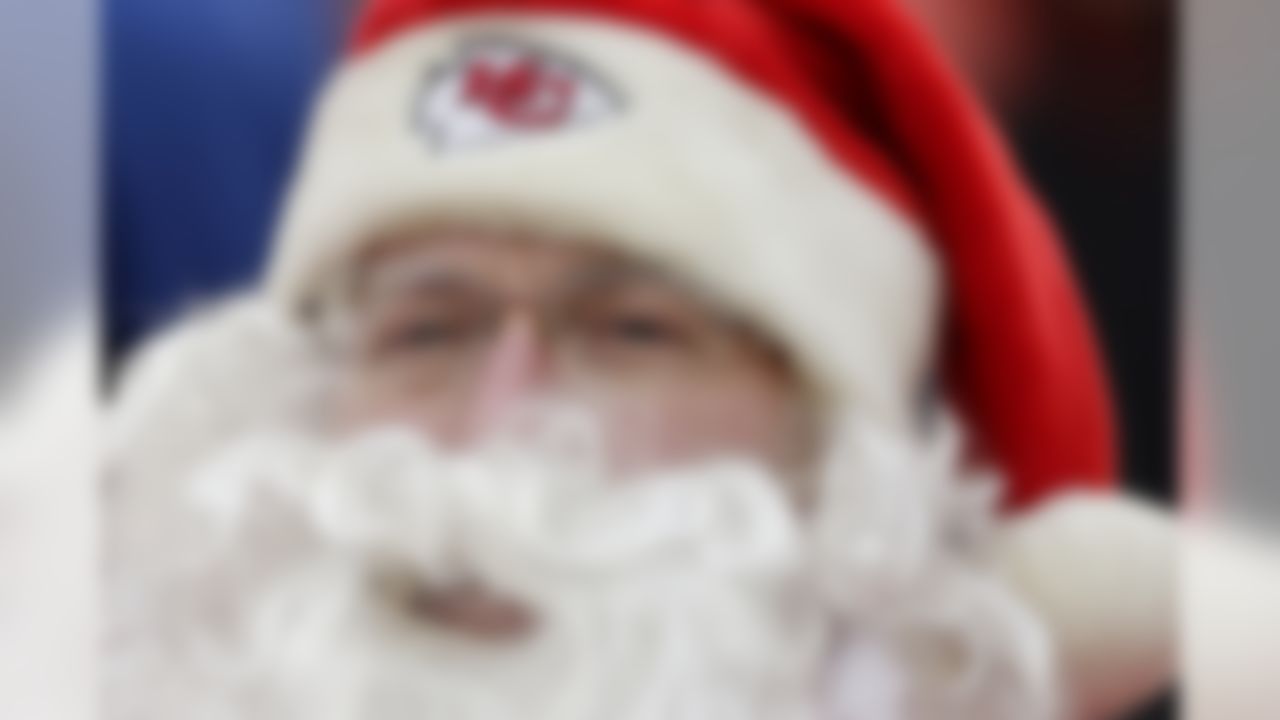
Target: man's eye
pixel 643 330
pixel 429 334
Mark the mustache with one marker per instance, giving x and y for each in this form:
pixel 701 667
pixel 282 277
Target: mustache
pixel 525 517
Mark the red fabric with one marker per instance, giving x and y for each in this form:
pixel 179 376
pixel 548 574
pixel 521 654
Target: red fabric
pixel 1021 359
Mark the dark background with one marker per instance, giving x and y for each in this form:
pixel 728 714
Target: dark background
pixel 1099 142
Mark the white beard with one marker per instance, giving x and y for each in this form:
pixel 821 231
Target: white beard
pixel 265 584
pixel 269 586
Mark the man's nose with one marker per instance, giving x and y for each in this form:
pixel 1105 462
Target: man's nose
pixel 515 370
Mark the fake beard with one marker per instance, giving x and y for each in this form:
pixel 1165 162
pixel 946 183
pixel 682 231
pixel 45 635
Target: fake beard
pixel 278 583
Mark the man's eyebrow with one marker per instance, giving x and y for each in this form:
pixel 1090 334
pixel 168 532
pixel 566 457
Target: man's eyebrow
pixel 414 277
pixel 610 274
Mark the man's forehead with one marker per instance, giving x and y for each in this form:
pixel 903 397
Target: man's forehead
pixel 503 259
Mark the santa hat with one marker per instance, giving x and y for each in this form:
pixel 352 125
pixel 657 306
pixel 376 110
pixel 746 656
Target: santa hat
pixel 815 163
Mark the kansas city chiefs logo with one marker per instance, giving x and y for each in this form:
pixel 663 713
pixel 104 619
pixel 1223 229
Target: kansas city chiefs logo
pixel 498 91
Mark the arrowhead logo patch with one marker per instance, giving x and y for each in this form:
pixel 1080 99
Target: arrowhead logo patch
pixel 500 90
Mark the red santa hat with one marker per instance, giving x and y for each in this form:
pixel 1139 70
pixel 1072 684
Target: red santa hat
pixel 814 162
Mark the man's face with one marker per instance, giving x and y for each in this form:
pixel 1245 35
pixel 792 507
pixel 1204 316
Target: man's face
pixel 455 331
pixel 381 575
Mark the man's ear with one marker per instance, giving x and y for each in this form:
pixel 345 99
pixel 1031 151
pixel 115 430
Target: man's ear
pixel 1100 571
